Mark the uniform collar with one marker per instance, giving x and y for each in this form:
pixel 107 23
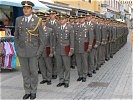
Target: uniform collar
pixel 64 25
pixel 44 27
pixel 83 24
pixel 52 21
pixel 29 17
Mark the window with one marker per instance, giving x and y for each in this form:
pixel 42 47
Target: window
pixel 89 1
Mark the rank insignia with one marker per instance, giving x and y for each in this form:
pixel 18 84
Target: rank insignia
pixel 32 19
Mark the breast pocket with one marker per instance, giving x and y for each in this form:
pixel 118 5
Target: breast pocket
pixel 21 28
pixel 32 26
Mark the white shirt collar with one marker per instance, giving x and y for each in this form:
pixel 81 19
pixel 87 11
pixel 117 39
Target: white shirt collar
pixel 83 24
pixel 29 17
pixel 44 27
pixel 53 21
pixel 63 25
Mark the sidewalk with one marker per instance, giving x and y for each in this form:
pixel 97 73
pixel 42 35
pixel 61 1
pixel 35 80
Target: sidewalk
pixel 112 81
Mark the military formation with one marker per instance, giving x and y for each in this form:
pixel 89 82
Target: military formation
pixel 55 42
pixel 84 41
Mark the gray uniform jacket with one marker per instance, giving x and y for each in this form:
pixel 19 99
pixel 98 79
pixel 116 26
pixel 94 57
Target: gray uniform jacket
pixel 64 40
pixel 83 38
pixel 28 36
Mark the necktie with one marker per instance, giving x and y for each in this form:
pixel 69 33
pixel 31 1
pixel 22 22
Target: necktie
pixel 26 20
pixel 61 27
pixel 52 22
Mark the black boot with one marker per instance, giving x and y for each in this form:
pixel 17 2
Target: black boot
pixel 94 72
pixel 79 79
pixel 33 96
pixel 89 75
pixel 26 96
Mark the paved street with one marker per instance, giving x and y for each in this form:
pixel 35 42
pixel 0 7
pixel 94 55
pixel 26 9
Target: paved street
pixel 112 81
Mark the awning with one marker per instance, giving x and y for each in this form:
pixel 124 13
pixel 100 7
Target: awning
pixel 17 3
pixel 52 5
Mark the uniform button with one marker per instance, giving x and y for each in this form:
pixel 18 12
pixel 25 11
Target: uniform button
pixel 80 35
pixel 26 28
pixel 61 34
pixel 61 37
pixel 79 38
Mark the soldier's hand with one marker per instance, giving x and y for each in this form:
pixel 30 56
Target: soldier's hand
pixel 88 50
pixel 71 52
pixel 51 55
pixel 102 43
pixel 95 46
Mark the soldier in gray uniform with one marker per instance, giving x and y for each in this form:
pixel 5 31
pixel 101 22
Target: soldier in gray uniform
pixel 113 38
pixel 83 42
pixel 108 37
pixel 93 53
pixel 72 23
pixel 53 23
pixel 90 60
pixel 28 44
pixel 103 43
pixel 64 49
pixel 45 62
pixel 98 41
pixel 100 47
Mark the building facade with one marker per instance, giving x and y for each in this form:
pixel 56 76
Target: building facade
pixel 92 5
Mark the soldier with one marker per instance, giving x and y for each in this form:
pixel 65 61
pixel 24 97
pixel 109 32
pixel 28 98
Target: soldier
pixel 64 49
pixel 98 41
pixel 39 14
pixel 90 60
pixel 108 38
pixel 113 38
pixel 103 42
pixel 93 54
pixel 83 42
pixel 73 24
pixel 45 60
pixel 53 23
pixel 28 44
pixel 100 52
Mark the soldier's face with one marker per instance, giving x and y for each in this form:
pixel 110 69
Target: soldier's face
pixel 43 23
pixel 52 16
pixel 27 11
pixel 88 18
pixel 71 19
pixel 82 20
pixel 63 21
pixel 76 20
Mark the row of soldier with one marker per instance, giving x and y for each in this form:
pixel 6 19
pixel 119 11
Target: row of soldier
pixel 85 41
